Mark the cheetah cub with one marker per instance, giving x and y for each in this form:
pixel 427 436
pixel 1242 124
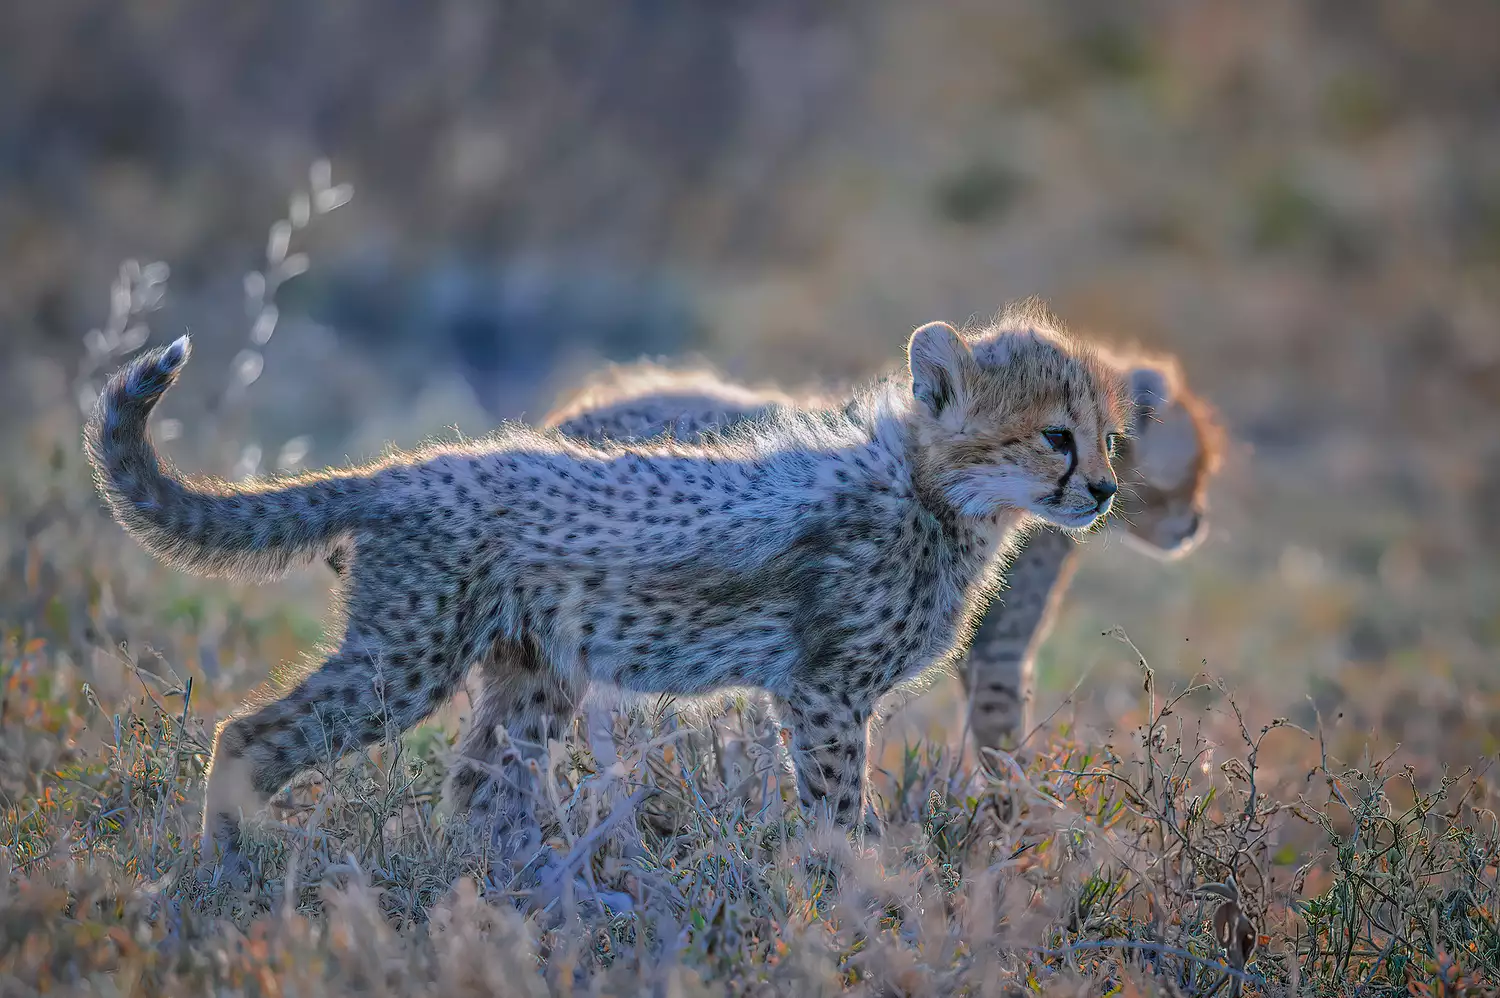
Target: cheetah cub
pixel 1164 468
pixel 823 556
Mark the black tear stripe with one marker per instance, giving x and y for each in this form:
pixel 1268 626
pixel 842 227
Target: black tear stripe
pixel 1056 498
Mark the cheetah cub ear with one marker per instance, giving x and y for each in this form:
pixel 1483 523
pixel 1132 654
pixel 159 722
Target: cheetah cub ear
pixel 942 369
pixel 1167 443
pixel 1150 388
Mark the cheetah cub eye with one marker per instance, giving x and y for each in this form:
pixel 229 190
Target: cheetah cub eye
pixel 1060 439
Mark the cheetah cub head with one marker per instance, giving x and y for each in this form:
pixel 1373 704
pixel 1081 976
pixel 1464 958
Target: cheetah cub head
pixel 1017 416
pixel 1166 466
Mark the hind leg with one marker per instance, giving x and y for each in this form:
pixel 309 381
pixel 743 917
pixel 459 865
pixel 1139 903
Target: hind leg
pixel 519 705
pixel 360 694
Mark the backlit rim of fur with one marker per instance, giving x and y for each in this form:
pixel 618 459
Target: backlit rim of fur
pixel 614 382
pixel 1213 438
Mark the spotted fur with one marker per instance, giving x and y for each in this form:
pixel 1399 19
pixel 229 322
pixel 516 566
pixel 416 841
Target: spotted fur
pixel 824 556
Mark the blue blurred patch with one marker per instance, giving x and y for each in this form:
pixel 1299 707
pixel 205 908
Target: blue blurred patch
pixel 507 327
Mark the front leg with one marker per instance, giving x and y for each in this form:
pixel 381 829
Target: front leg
pixel 830 749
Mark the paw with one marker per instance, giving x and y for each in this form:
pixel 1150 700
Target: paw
pixel 509 834
pixel 156 897
pixel 232 871
pixel 545 884
pixel 550 895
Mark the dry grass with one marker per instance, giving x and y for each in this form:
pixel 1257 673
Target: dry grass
pixel 1074 867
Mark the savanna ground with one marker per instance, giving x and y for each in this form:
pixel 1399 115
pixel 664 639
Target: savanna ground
pixel 1301 200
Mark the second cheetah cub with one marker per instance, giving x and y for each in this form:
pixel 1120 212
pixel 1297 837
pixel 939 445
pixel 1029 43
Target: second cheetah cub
pixel 824 556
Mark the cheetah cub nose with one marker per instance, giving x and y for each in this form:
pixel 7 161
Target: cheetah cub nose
pixel 1103 491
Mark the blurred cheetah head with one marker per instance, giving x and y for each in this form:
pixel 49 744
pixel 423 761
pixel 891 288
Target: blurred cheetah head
pixel 1166 466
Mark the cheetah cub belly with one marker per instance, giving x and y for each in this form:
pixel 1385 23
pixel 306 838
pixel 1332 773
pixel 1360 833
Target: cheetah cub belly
pixel 824 556
pixel 1164 469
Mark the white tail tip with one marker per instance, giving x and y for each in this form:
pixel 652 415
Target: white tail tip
pixel 176 353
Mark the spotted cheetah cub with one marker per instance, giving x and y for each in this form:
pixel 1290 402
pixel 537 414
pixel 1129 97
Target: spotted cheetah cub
pixel 821 555
pixel 1164 468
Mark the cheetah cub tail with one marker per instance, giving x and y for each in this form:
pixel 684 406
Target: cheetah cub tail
pixel 255 529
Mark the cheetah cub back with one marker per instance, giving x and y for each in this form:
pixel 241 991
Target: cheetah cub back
pixel 824 556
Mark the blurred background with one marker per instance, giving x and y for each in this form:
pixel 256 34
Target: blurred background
pixel 383 219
